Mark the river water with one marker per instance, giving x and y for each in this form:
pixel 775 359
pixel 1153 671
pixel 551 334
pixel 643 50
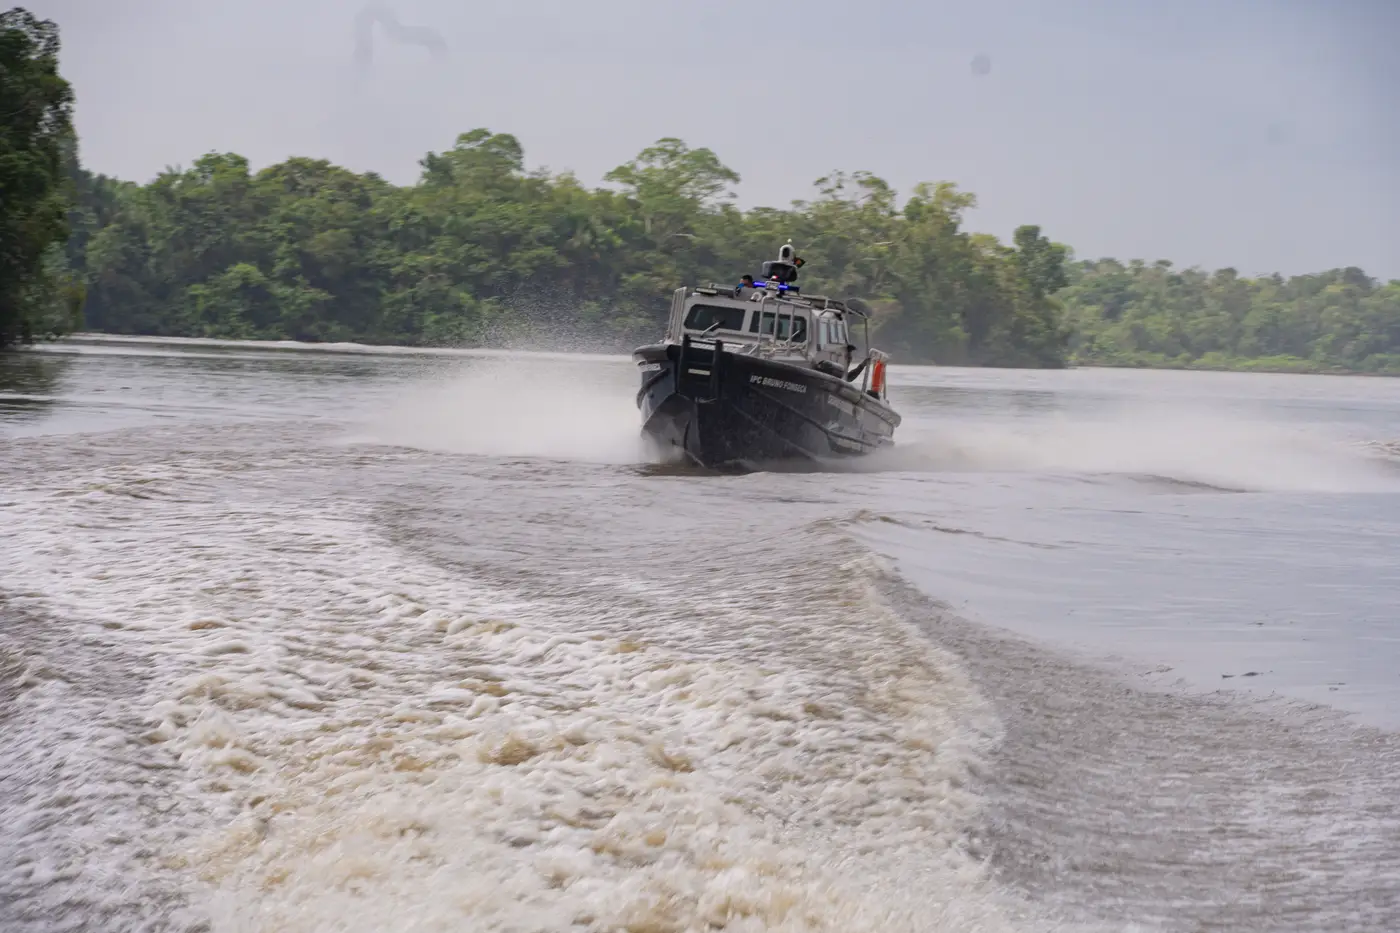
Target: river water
pixel 313 639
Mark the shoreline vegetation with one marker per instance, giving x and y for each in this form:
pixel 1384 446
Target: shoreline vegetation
pixel 1280 366
pixel 481 252
pixel 1283 366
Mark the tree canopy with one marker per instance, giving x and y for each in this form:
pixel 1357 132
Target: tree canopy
pixel 36 143
pixel 1150 314
pixel 481 251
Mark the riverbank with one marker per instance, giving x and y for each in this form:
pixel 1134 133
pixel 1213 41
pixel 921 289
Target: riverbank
pixel 1214 362
pixel 1207 363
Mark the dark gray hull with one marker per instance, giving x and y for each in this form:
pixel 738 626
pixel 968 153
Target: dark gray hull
pixel 722 410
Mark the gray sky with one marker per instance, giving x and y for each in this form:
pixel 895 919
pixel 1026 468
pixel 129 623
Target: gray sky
pixel 1262 135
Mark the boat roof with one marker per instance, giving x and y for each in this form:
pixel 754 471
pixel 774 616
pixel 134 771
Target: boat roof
pixel 814 302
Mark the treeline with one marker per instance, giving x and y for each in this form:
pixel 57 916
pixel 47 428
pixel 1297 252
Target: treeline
pixel 37 296
pixel 1143 314
pixel 480 251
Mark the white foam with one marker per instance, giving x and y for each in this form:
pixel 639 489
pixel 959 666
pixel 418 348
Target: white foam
pixel 368 741
pixel 1192 444
pixel 518 406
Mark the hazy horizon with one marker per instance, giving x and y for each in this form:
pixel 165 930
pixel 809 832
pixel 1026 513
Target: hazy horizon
pixel 1262 137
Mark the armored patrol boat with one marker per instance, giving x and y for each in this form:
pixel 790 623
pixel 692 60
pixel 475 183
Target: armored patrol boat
pixel 759 373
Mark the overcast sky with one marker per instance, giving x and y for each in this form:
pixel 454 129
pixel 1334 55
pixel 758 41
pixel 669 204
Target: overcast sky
pixel 1260 135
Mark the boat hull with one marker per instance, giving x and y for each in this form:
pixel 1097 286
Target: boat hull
pixel 723 410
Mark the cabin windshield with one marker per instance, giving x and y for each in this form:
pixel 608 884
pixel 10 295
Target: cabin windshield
pixel 704 317
pixel 783 321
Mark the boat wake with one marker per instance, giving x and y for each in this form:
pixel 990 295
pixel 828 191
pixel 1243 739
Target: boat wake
pixel 1106 789
pixel 416 706
pixel 1389 450
pixel 525 405
pixel 552 408
pixel 316 651
pixel 1186 450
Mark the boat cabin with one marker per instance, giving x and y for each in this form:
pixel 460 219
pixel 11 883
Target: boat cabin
pixel 773 320
pixel 764 324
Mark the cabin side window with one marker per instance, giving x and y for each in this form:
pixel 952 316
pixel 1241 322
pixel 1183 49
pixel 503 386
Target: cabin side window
pixel 706 317
pixel 833 332
pixel 783 321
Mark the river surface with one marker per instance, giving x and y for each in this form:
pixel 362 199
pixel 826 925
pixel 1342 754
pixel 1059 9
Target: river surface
pixel 340 639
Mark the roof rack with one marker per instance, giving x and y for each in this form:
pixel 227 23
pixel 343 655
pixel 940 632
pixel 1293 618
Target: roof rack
pixel 817 302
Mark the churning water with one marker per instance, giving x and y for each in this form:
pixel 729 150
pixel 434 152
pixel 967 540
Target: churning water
pixel 297 640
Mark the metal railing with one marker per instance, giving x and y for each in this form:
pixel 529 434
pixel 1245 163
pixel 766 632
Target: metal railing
pixel 776 343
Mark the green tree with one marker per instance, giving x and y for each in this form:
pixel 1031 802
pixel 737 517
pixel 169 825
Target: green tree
pixel 671 184
pixel 1034 334
pixel 481 251
pixel 36 297
pixel 1149 314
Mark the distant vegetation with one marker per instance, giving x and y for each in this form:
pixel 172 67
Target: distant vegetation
pixel 37 297
pixel 1142 314
pixel 479 251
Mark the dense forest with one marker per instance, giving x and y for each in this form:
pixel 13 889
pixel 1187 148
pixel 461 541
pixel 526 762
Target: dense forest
pixel 1149 314
pixel 480 251
pixel 38 296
